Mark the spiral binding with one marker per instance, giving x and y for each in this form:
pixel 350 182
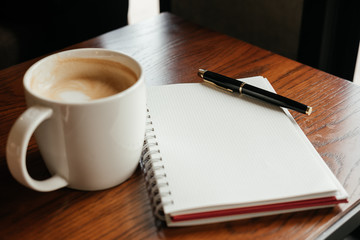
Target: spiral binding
pixel 154 171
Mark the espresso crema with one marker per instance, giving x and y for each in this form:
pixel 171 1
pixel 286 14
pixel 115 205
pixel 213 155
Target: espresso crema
pixel 82 79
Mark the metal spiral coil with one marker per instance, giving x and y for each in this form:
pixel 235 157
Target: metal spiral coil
pixel 154 171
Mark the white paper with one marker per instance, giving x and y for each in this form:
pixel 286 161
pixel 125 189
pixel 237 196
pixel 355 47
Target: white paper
pixel 222 150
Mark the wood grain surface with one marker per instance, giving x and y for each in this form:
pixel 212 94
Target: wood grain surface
pixel 171 50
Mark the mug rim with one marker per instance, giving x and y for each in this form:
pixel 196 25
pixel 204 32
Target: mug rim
pixel 27 76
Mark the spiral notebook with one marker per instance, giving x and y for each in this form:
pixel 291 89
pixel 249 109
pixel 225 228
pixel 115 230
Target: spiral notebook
pixel 212 156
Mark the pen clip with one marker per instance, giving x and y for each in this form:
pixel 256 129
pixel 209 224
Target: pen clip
pixel 226 89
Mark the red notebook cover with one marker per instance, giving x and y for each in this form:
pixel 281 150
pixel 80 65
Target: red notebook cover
pixel 327 201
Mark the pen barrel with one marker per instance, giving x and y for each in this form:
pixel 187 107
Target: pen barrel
pixel 223 81
pixel 237 86
pixel 273 98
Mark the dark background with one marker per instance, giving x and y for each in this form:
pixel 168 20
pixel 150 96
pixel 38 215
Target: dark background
pixel 33 28
pixel 321 33
pixel 326 35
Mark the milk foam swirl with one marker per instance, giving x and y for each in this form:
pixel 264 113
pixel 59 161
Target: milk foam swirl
pixel 80 79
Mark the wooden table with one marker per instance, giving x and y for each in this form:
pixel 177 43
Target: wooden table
pixel 171 50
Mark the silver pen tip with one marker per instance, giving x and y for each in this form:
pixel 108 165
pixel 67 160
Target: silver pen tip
pixel 201 73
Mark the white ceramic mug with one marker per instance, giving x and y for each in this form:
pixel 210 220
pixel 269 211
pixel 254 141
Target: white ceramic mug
pixel 86 144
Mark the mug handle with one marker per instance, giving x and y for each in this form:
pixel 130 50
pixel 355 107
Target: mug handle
pixel 16 149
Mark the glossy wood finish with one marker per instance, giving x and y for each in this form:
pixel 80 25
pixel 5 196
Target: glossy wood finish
pixel 171 50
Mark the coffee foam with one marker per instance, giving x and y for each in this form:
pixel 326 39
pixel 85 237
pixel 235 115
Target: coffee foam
pixel 81 79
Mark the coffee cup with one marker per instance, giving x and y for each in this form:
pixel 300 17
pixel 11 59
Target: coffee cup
pixel 87 109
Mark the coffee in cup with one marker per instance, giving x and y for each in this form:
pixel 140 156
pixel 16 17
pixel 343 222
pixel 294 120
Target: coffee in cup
pixel 86 108
pixel 83 79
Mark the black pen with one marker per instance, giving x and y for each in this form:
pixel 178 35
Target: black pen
pixel 234 85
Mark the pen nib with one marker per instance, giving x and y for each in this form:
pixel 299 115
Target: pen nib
pixel 201 73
